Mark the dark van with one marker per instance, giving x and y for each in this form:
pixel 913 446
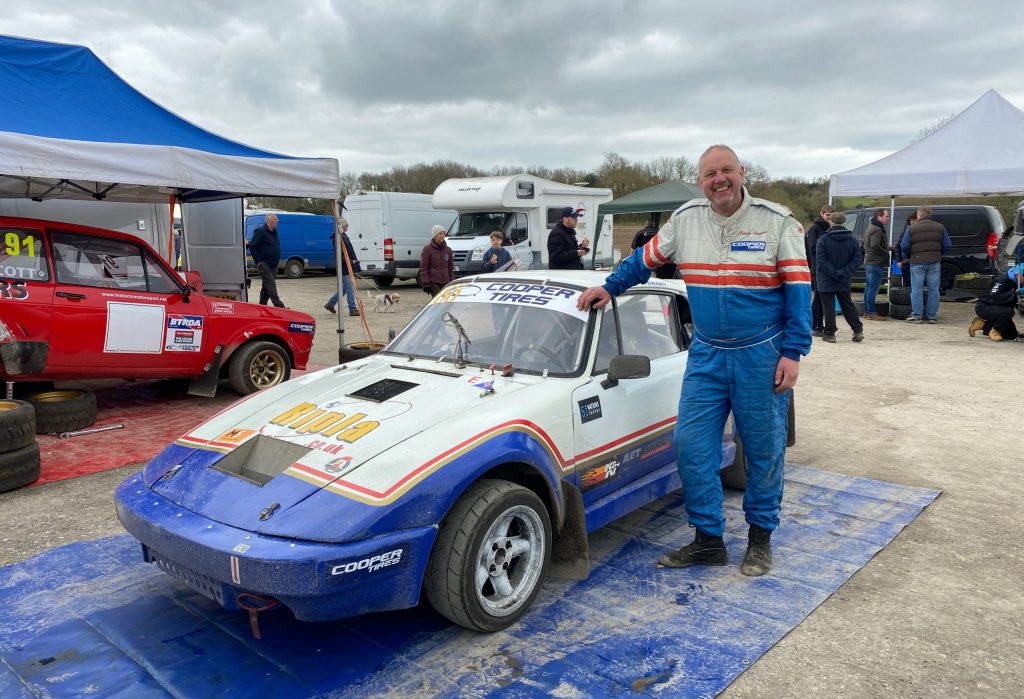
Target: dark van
pixel 305 242
pixel 974 231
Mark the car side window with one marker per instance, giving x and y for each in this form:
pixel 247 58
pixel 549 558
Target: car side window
pixel 607 340
pixel 23 255
pixel 99 262
pixel 157 278
pixel 650 325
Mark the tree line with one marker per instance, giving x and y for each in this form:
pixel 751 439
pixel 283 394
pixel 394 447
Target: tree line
pixel 804 197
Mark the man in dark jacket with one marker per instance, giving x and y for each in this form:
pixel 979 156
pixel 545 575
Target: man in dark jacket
pixel 346 280
pixel 924 244
pixel 665 271
pixel 816 230
pixel 265 248
pixel 563 250
pixel 876 261
pixel 995 310
pixel 838 256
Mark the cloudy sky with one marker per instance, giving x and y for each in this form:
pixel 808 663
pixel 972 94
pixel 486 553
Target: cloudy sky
pixel 803 88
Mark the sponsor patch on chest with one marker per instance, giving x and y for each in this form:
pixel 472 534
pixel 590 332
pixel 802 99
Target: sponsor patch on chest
pixel 748 246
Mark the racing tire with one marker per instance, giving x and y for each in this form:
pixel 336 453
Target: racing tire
pixel 258 365
pixel 358 350
pixel 498 532
pixel 882 308
pixel 900 295
pixel 293 269
pixel 19 467
pixel 899 311
pixel 63 410
pixel 735 475
pixel 23 389
pixel 17 425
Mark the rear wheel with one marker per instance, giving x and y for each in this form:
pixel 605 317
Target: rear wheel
pixel 293 269
pixel 257 366
pixel 63 410
pixel 491 556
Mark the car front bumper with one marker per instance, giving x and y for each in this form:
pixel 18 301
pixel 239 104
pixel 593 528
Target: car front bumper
pixel 318 581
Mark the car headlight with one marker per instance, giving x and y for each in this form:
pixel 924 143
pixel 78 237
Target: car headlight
pixel 478 253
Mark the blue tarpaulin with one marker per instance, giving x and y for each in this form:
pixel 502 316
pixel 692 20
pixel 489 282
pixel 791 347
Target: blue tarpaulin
pixel 90 619
pixel 71 127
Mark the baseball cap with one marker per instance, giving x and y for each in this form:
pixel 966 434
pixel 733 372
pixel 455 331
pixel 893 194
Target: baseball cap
pixel 569 211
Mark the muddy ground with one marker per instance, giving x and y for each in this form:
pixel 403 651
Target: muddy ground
pixel 936 613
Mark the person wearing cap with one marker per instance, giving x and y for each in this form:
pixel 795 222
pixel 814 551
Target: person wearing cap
pixel 346 281
pixel 749 290
pixel 995 310
pixel 563 250
pixel 437 262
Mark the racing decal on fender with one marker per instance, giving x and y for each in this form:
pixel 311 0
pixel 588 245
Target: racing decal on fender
pixel 236 577
pixel 304 328
pixel 233 436
pixel 308 418
pixel 590 409
pixel 184 333
pixel 748 246
pixel 222 307
pixel 596 476
pixel 16 291
pixel 344 572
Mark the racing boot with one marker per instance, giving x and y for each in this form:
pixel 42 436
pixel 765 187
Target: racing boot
pixel 706 550
pixel 976 325
pixel 758 560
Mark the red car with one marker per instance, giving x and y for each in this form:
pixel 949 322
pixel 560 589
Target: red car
pixel 79 302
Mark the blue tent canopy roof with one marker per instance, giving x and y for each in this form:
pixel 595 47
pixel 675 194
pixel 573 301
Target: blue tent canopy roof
pixel 71 128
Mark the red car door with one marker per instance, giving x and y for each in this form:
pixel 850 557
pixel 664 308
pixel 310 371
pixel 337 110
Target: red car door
pixel 119 312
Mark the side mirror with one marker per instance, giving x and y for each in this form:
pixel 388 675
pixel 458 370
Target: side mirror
pixel 194 280
pixel 627 366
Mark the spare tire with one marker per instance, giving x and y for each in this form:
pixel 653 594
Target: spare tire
pixel 898 311
pixel 17 425
pixel 63 410
pixel 900 295
pixel 358 350
pixel 19 467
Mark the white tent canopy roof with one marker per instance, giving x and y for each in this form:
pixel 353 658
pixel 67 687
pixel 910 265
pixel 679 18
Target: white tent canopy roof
pixel 979 152
pixel 71 128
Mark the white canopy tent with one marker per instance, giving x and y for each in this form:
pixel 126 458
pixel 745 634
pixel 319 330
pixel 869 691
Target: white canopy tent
pixel 978 153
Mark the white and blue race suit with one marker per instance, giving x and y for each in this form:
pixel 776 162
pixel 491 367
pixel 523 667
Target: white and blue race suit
pixel 749 291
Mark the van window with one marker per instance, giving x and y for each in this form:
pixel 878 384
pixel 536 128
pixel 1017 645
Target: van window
pixel 22 255
pixel 554 216
pixel 524 190
pixel 479 223
pixel 517 230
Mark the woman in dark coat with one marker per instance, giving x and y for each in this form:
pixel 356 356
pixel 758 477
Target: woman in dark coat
pixel 437 263
pixel 838 255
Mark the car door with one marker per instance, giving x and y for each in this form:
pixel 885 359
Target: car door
pixel 623 433
pixel 26 282
pixel 118 312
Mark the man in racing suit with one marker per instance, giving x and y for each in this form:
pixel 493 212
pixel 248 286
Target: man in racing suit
pixel 746 272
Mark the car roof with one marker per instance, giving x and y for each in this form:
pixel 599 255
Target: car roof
pixel 583 279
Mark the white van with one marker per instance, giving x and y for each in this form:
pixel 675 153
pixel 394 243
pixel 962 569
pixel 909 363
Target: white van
pixel 524 208
pixel 388 231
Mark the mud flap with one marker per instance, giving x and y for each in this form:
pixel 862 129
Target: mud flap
pixel 570 556
pixel 206 383
pixel 24 358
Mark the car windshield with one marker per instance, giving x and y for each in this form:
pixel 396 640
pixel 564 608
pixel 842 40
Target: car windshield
pixel 533 327
pixel 478 223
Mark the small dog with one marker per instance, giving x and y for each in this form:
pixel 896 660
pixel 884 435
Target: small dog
pixel 383 303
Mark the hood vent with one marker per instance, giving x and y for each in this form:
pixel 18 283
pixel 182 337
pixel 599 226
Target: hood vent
pixel 260 459
pixel 383 390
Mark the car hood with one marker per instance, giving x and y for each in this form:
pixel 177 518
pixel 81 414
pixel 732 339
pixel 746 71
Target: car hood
pixel 279 447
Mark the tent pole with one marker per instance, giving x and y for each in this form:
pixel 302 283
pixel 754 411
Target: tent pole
pixel 892 225
pixel 170 237
pixel 339 251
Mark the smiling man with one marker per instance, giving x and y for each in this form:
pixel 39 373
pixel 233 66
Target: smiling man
pixel 749 289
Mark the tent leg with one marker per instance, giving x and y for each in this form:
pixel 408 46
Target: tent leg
pixel 339 249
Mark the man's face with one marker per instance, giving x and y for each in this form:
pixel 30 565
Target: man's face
pixel 826 216
pixel 721 180
pixel 569 221
pixel 272 222
pixel 884 218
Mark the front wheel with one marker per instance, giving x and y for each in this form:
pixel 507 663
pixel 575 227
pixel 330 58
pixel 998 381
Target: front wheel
pixel 258 365
pixel 491 556
pixel 293 269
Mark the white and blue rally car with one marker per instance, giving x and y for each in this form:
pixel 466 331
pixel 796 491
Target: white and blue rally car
pixel 465 461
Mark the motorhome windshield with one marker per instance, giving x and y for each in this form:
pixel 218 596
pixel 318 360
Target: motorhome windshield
pixel 478 223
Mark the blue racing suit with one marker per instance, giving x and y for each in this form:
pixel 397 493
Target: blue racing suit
pixel 749 290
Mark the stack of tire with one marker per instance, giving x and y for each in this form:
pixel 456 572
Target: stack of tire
pixel 899 299
pixel 48 411
pixel 19 453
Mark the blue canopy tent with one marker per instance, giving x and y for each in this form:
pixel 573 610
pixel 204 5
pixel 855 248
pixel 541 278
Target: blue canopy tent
pixel 72 128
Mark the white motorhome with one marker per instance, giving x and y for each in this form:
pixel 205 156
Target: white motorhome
pixel 388 231
pixel 524 208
